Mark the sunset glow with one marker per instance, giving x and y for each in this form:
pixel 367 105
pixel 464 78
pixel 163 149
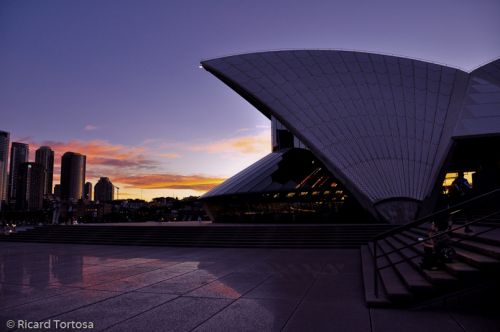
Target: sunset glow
pixel 146 170
pixel 126 90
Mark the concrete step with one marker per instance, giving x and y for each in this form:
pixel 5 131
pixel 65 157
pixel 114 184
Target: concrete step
pixel 488 235
pixel 458 269
pixel 189 238
pixel 211 245
pixel 372 299
pixel 478 247
pixel 194 237
pixel 472 242
pixel 411 276
pixel 478 260
pixel 395 289
pixel 287 236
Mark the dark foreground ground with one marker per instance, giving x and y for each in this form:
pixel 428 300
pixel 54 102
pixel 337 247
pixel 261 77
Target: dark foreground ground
pixel 119 288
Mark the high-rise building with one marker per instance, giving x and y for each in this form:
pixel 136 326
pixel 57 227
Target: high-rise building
pixel 45 157
pixel 72 176
pixel 87 191
pixel 104 190
pixel 4 156
pixel 19 153
pixel 30 186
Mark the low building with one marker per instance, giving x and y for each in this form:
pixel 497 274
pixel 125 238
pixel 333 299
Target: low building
pixel 104 191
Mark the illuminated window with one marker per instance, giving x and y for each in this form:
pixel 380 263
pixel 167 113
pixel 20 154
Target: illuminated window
pixel 450 177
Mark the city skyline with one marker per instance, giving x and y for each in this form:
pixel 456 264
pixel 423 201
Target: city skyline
pixel 105 159
pixel 121 84
pixel 51 160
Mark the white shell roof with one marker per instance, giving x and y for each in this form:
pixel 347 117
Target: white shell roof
pixel 378 122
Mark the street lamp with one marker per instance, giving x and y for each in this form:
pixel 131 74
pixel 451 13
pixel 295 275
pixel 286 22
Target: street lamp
pixel 117 192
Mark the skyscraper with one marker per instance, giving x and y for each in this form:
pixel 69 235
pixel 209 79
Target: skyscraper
pixel 30 186
pixel 104 190
pixel 4 155
pixel 87 191
pixel 45 157
pixel 19 153
pixel 72 175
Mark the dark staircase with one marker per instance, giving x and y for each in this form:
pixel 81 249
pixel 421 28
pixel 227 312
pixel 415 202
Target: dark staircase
pixel 234 236
pixel 391 263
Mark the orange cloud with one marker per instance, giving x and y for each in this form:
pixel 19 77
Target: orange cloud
pixel 170 181
pixel 103 153
pixel 170 155
pixel 250 144
pixel 132 167
pixel 122 195
pixel 103 158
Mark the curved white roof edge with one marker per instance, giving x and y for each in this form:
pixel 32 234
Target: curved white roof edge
pixel 484 64
pixel 348 50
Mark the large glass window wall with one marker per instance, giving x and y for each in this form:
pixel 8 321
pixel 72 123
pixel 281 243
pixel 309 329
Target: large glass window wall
pixel 300 189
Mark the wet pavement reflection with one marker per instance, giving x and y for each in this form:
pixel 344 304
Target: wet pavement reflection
pixel 129 288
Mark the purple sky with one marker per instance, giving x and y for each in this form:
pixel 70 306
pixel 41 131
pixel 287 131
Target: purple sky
pixel 125 74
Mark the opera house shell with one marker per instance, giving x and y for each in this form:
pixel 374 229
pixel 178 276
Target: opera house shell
pixel 382 126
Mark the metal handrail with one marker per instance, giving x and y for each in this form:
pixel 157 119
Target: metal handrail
pixel 440 233
pixel 437 235
pixel 433 215
pixel 418 222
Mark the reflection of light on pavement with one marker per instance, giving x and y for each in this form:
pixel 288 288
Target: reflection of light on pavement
pixel 221 288
pixel 52 278
pixel 88 278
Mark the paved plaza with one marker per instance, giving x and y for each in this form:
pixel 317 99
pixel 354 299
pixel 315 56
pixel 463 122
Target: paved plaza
pixel 127 288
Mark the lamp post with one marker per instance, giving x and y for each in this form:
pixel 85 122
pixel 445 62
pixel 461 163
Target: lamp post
pixel 117 192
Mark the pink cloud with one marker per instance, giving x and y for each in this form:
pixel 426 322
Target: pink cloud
pixel 249 144
pixel 90 127
pixel 170 155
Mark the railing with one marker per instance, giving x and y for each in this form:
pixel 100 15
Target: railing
pixel 480 200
